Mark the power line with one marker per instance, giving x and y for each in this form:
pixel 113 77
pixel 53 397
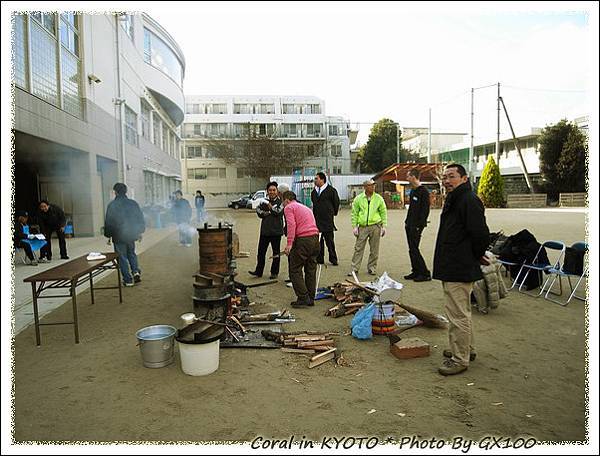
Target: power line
pixel 544 90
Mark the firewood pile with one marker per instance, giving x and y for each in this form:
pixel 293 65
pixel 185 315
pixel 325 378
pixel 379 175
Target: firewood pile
pixel 319 344
pixel 350 298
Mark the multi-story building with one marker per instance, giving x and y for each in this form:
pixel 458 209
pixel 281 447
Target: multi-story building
pixel 416 140
pixel 98 99
pixel 295 122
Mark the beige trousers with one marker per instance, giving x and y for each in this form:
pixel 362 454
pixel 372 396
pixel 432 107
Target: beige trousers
pixel 458 310
pixel 372 234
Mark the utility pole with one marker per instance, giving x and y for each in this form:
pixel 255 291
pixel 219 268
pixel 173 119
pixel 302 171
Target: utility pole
pixel 525 173
pixel 498 130
pixel 471 146
pixel 429 140
pixel 397 143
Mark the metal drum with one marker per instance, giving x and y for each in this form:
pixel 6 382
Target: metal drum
pixel 215 246
pixel 212 309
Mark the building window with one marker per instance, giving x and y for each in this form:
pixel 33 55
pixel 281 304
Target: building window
pixel 336 170
pixel 217 130
pixel 216 108
pixel 194 151
pixel 160 56
pixel 313 130
pixel 290 131
pixel 313 150
pixel 165 138
pixel 20 49
pixel 44 62
pixel 130 126
pixel 289 108
pixel 336 150
pixel 239 108
pixel 312 109
pixel 335 130
pixel 267 109
pixel 206 173
pixel 194 108
pixel 145 115
pixel 127 24
pixel 157 129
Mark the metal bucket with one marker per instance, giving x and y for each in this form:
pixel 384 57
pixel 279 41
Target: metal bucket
pixel 157 345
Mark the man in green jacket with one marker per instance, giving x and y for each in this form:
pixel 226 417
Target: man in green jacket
pixel 369 219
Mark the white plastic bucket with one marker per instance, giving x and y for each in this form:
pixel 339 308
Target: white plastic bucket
pixel 199 358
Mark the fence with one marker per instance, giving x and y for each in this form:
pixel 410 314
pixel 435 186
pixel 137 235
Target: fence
pixel 527 200
pixel 572 199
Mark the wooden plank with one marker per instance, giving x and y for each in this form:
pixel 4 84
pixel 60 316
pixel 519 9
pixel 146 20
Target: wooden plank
pixel 321 358
pixel 315 343
pixel 296 350
pixel 321 348
pixel 309 338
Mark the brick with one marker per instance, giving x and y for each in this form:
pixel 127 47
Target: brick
pixel 410 348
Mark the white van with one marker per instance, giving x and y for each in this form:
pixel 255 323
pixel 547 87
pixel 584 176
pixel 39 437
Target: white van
pixel 258 198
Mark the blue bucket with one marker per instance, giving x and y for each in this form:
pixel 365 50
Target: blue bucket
pixel 157 345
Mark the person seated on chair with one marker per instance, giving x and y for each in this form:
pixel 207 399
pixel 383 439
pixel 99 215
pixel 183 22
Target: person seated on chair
pixel 21 218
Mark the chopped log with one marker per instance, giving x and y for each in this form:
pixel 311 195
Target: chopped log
pixel 309 338
pixel 428 318
pixel 296 350
pixel 290 343
pixel 351 311
pixel 322 348
pixel 321 358
pixel 315 343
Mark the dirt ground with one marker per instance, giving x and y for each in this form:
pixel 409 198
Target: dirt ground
pixel 528 380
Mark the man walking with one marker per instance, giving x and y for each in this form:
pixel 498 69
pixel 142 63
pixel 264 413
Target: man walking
pixel 199 203
pixel 326 204
pixel 52 220
pixel 416 221
pixel 302 248
pixel 369 219
pixel 462 238
pixel 271 230
pixel 182 213
pixel 124 223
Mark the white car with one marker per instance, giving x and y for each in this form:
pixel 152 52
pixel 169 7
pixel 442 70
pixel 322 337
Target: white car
pixel 259 197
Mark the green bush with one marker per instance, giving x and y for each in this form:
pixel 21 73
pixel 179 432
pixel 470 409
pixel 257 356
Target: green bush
pixel 491 185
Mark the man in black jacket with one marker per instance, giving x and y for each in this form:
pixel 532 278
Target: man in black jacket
pixel 52 219
pixel 462 239
pixel 326 204
pixel 271 230
pixel 124 223
pixel 182 213
pixel 416 221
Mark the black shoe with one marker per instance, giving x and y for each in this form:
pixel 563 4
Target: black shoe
pixel 137 278
pixel 334 263
pixel 288 280
pixel 64 257
pixel 273 276
pixel 254 273
pixel 410 276
pixel 320 261
pixel 306 302
pixel 422 278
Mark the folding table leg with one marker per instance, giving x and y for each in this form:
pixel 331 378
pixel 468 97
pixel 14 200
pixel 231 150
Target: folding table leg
pixel 36 316
pixel 75 321
pixel 92 287
pixel 117 263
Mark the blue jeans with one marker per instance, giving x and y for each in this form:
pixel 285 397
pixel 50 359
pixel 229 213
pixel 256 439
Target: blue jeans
pixel 185 233
pixel 127 259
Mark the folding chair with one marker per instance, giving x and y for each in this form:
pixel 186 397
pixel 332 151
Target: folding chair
pixel 539 267
pixel 562 272
pixel 507 265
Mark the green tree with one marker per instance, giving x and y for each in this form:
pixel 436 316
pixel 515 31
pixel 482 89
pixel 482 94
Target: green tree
pixel 563 149
pixel 380 149
pixel 491 185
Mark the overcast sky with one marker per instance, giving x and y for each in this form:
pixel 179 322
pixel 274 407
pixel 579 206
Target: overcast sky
pixel 373 60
